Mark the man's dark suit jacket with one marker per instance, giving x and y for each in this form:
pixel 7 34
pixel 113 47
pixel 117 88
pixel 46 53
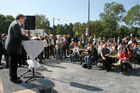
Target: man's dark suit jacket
pixel 14 39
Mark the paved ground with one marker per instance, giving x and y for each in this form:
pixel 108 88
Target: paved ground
pixel 72 78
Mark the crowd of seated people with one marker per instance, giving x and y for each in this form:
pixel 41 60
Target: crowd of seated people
pixel 92 48
pixel 107 47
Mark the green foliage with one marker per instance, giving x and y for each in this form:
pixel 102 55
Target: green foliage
pixel 113 13
pixel 138 32
pixel 123 31
pixel 5 22
pixel 133 16
pixel 77 28
pixel 66 29
pixel 42 23
pixel 135 31
pixel 60 30
pixel 69 29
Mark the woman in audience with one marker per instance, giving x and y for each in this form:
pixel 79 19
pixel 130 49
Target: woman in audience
pixel 100 46
pixel 125 61
pixel 75 52
pixel 119 48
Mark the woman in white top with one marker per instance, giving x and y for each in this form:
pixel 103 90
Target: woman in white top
pixel 75 52
pixel 119 49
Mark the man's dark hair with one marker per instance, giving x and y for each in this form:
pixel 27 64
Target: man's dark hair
pixel 19 16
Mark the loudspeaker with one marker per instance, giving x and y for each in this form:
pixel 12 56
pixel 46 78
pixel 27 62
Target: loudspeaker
pixel 29 23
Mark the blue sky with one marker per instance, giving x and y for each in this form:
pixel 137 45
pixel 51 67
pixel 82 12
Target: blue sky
pixel 65 10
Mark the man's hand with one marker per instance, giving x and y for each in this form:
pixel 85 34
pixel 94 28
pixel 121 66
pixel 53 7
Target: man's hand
pixel 107 55
pixel 104 58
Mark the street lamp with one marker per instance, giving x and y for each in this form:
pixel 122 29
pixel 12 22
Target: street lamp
pixel 54 32
pixel 54 21
pixel 88 16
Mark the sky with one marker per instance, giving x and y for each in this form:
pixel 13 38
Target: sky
pixel 68 11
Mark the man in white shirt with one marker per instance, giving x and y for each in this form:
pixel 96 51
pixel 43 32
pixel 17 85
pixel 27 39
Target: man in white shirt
pixel 52 45
pixel 95 40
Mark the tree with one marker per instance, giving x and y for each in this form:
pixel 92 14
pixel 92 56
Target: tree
pixel 100 28
pixel 77 28
pixel 138 32
pixel 66 28
pixel 133 16
pixel 71 32
pixel 60 30
pixel 69 29
pixel 123 31
pixel 8 21
pixel 42 23
pixel 135 31
pixel 113 13
pixel 83 29
pixel 5 21
pixel 2 21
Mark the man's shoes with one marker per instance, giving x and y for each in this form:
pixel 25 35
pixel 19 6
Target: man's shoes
pixel 108 70
pixel 89 67
pixel 0 63
pixel 81 63
pixel 16 81
pixel 6 66
pixel 18 78
pixel 123 73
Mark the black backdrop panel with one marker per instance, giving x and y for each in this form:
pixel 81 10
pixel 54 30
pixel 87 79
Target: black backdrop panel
pixel 29 23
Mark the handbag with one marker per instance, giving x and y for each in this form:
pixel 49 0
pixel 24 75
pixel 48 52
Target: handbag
pixel 84 65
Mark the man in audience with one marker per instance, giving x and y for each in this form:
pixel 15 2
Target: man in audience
pixel 64 45
pixel 52 46
pixel 92 56
pixel 47 47
pixel 106 59
pixel 58 47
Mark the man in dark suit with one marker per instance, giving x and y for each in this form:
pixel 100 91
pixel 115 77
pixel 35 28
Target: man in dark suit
pixel 13 46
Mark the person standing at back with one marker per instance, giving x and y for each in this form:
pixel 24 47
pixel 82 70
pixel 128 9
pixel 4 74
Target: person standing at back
pixel 14 47
pixel 52 46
